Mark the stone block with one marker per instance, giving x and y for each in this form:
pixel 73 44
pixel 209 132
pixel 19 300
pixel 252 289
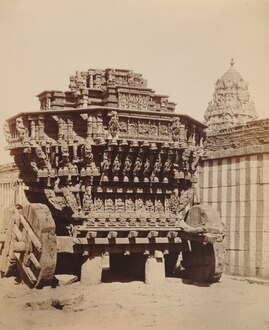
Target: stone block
pixel 91 270
pixel 154 270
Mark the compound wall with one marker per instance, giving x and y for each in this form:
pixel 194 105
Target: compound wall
pixel 236 183
pixel 11 188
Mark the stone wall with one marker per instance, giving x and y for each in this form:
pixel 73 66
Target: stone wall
pixel 236 183
pixel 11 188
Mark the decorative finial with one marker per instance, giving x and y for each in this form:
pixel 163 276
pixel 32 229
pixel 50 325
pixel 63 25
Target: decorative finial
pixel 232 62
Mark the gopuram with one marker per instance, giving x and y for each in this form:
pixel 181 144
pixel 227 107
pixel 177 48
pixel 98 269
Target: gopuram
pixel 231 105
pixel 109 168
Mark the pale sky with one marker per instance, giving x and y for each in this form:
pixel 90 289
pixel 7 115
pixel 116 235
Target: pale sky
pixel 181 47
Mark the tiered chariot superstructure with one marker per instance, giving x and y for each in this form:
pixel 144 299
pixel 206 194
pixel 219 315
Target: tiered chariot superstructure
pixel 109 168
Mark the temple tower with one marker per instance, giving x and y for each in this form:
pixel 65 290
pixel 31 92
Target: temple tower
pixel 231 104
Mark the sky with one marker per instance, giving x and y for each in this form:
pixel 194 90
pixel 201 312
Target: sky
pixel 181 47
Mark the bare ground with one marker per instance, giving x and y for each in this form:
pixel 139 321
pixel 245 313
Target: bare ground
pixel 230 304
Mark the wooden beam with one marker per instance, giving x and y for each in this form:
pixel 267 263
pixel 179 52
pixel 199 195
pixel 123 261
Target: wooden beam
pixel 31 234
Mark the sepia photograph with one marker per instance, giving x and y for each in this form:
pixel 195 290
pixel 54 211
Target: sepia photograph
pixel 134 164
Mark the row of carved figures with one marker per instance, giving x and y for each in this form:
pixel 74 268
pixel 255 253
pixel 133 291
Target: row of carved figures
pixel 31 132
pixel 141 203
pixel 114 164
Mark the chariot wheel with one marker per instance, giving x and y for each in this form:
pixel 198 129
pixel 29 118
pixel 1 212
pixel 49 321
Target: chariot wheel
pixel 204 263
pixel 29 245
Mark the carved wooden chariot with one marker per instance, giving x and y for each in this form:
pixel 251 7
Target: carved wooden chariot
pixel 109 169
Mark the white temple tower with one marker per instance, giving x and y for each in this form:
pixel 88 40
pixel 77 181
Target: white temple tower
pixel 231 105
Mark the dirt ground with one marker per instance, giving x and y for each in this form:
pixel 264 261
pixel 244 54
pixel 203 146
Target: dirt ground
pixel 115 304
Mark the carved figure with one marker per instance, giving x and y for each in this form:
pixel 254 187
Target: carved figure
pixel 175 129
pixel 129 205
pixel 111 77
pixel 113 126
pixel 56 201
pixel 147 170
pixel 149 206
pixel 139 205
pixel 196 156
pixel 105 165
pixel 99 205
pixel 42 159
pixel 22 130
pixel 120 205
pixel 70 199
pixel 166 170
pixel 109 204
pixel 87 199
pixel 127 169
pixel 137 168
pixel 156 170
pixel 185 160
pixel 65 160
pixel 159 206
pixel 116 168
pixel 174 202
pixel 143 128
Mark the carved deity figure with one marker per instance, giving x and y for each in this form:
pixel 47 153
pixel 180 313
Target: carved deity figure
pixel 22 130
pixel 159 206
pixel 137 167
pixel 98 205
pixel 127 169
pixel 116 168
pixel 88 153
pixel 113 126
pixel 88 157
pixel 42 159
pixel 65 160
pixel 111 77
pixel 87 199
pixel 147 165
pixel 70 199
pixel 149 205
pixel 185 160
pixel 139 205
pixel 130 78
pixel 98 81
pixel 196 156
pixel 167 169
pixel 105 164
pixel 123 101
pixel 120 205
pixel 109 205
pixel 129 205
pixel 56 201
pixel 175 129
pixel 174 202
pixel 156 170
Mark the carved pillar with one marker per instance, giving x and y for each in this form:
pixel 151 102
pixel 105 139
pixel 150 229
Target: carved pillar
pixel 70 129
pixel 33 131
pixel 100 130
pixel 41 128
pixel 89 128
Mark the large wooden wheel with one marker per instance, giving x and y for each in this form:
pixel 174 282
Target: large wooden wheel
pixel 204 263
pixel 29 242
